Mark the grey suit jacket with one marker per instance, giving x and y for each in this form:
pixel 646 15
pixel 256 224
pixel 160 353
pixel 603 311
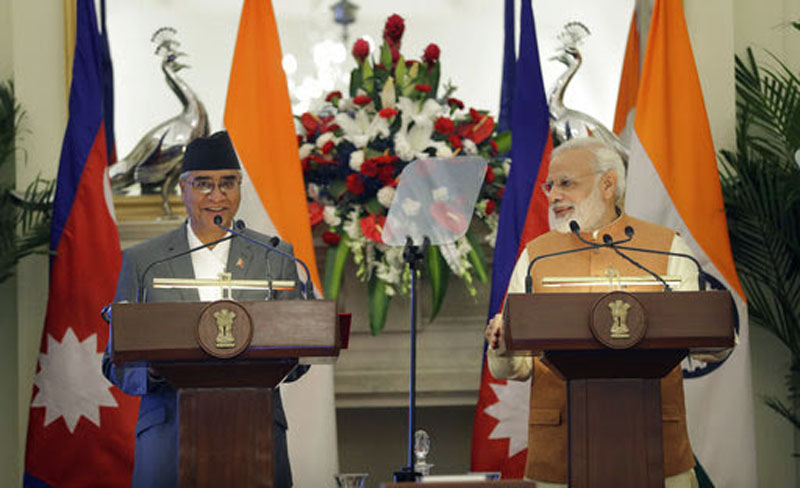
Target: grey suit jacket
pixel 156 461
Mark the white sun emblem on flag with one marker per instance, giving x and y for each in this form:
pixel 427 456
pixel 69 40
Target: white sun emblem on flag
pixel 71 383
pixel 511 410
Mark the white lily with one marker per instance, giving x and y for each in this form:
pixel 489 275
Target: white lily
pixel 412 111
pixel 360 129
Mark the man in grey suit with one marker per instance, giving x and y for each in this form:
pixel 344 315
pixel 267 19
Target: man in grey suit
pixel 210 186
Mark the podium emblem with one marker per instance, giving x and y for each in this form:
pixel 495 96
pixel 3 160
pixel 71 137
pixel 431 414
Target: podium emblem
pixel 224 329
pixel 618 320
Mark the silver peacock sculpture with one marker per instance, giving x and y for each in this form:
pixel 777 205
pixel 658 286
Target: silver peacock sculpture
pixel 566 123
pixel 155 161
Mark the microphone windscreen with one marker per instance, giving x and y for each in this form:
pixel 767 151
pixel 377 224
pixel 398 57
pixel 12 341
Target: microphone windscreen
pixel 629 231
pixel 274 241
pixel 240 226
pixel 607 238
pixel 217 219
pixel 574 227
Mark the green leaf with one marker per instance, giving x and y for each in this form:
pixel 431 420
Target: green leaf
pixel 386 56
pixel 438 273
pixel 433 78
pixel 374 207
pixel 368 76
pixel 400 72
pixel 334 268
pixel 356 80
pixel 337 188
pixel 477 258
pixel 378 304
pixel 503 141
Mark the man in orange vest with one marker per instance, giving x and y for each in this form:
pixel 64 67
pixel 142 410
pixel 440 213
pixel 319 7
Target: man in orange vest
pixel 586 184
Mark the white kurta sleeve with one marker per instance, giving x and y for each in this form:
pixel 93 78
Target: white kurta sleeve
pixel 513 367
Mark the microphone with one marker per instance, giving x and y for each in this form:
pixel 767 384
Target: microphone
pixel 140 291
pixel 308 289
pixel 608 241
pixel 701 274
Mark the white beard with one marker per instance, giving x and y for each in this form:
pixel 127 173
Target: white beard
pixel 587 213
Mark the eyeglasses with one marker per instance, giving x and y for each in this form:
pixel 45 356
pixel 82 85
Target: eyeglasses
pixel 564 183
pixel 207 185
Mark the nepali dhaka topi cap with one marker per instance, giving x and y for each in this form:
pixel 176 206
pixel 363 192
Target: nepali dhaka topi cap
pixel 210 153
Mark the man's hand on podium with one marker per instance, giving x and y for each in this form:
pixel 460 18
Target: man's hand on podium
pixel 494 331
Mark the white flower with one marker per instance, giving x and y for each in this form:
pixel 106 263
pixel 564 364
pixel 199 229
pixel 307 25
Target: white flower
pixel 470 147
pixel 352 226
pixel 441 194
pixel 386 195
pixel 411 207
pixel 313 191
pixel 345 104
pixel 330 216
pixel 387 94
pixel 356 160
pixel 413 112
pixel 444 151
pixel 506 167
pixel 359 129
pixel 305 150
pixel 324 138
pixel 410 144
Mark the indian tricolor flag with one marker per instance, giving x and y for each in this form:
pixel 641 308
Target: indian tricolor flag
pixel 673 180
pixel 258 118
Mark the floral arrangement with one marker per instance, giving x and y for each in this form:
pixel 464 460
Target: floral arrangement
pixel 353 149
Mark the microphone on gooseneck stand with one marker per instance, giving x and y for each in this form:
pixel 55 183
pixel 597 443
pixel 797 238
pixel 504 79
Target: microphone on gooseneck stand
pixel 308 286
pixel 701 274
pixel 607 239
pixel 575 228
pixel 140 291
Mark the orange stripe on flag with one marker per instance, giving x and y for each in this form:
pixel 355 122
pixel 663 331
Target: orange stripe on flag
pixel 672 125
pixel 629 80
pixel 258 117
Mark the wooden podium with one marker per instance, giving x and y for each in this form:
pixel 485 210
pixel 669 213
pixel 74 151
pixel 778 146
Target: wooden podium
pixel 613 383
pixel 225 405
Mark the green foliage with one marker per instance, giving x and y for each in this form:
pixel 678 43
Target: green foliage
pixel 438 274
pixel 24 219
pixel 761 187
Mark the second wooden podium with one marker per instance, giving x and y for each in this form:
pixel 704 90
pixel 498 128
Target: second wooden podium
pixel 224 358
pixel 612 349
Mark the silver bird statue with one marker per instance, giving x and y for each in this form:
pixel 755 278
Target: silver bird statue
pixel 566 123
pixel 155 160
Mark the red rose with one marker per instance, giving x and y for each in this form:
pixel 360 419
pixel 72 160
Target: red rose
pixel 372 227
pixel 334 95
pixel 386 174
pixel 393 30
pixel 362 100
pixel 310 122
pixel 455 102
pixel 489 207
pixel 315 212
pixel 455 141
pixel 431 54
pixel 328 147
pixel 489 178
pixel 444 125
pixel 448 217
pixel 331 238
pixel 385 159
pixel 360 50
pixel 387 113
pixel 501 192
pixel 369 168
pixel 355 184
pixel 423 88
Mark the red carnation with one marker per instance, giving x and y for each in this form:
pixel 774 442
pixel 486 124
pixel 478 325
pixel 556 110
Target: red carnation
pixel 331 238
pixel 328 147
pixel 455 141
pixel 385 159
pixel 431 54
pixel 310 122
pixel 387 113
pixel 444 125
pixel 455 102
pixel 420 87
pixel 360 50
pixel 362 100
pixel 355 184
pixel 386 174
pixel 372 227
pixel 315 212
pixel 332 96
pixel 489 178
pixel 495 149
pixel 501 192
pixel 369 168
pixel 393 30
pixel 489 207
